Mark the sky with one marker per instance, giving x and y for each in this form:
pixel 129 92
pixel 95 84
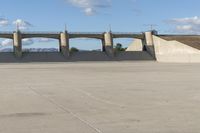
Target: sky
pixel 166 16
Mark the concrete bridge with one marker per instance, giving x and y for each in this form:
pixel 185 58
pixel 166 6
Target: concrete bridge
pixel 147 45
pixel 63 37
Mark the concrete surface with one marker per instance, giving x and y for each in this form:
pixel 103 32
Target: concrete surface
pixel 137 45
pixel 103 97
pixel 174 51
pixel 74 57
pixel 190 40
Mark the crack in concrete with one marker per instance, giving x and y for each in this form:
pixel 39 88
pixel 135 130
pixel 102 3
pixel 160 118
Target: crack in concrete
pixel 61 107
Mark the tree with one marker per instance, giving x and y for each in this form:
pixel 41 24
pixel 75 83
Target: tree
pixel 119 47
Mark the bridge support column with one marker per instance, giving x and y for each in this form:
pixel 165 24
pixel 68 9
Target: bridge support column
pixel 149 44
pixel 108 44
pixel 103 45
pixel 149 38
pixel 64 44
pixel 17 41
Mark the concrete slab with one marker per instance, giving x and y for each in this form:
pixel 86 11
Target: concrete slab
pixel 174 51
pixel 99 97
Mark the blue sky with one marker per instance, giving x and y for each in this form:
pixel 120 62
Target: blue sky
pixel 169 16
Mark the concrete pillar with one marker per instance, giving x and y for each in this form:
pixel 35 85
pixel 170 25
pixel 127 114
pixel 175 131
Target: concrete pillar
pixel 149 38
pixel 149 44
pixel 108 42
pixel 103 45
pixel 17 41
pixel 64 43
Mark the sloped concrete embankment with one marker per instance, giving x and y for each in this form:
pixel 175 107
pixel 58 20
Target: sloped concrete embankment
pixel 174 51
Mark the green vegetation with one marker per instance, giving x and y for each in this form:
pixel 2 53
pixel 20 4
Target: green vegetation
pixel 119 47
pixel 73 50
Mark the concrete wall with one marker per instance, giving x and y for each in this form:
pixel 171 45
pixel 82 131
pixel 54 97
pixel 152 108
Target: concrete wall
pixel 173 51
pixel 137 45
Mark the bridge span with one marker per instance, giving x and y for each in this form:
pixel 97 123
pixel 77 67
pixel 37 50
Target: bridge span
pixel 64 37
pixel 56 35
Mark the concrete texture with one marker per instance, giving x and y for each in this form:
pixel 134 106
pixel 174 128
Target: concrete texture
pixel 17 44
pixel 114 97
pixel 133 56
pixel 149 38
pixel 149 43
pixel 77 56
pixel 190 40
pixel 64 44
pixel 137 45
pixel 56 35
pixel 108 40
pixel 174 51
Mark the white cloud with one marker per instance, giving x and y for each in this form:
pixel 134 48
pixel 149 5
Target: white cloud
pixel 191 20
pixel 90 7
pixel 184 27
pixel 7 42
pixel 27 41
pixel 190 25
pixel 45 40
pixel 3 22
pixel 22 24
pixel 89 11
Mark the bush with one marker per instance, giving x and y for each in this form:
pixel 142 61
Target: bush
pixel 73 49
pixel 119 47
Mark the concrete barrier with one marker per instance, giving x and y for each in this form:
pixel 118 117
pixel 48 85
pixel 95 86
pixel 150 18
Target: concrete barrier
pixel 174 51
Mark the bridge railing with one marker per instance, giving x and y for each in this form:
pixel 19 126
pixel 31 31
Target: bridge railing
pixel 127 33
pixel 40 32
pixel 92 33
pixel 57 32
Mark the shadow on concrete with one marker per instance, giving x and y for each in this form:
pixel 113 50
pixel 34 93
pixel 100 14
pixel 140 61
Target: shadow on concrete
pixel 74 57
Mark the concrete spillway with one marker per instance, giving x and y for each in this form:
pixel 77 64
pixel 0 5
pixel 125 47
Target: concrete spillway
pixel 176 49
pixel 192 41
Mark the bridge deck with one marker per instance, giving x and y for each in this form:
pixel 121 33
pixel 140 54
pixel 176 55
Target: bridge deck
pixel 190 40
pixel 86 35
pixel 124 35
pixel 56 35
pixel 42 35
